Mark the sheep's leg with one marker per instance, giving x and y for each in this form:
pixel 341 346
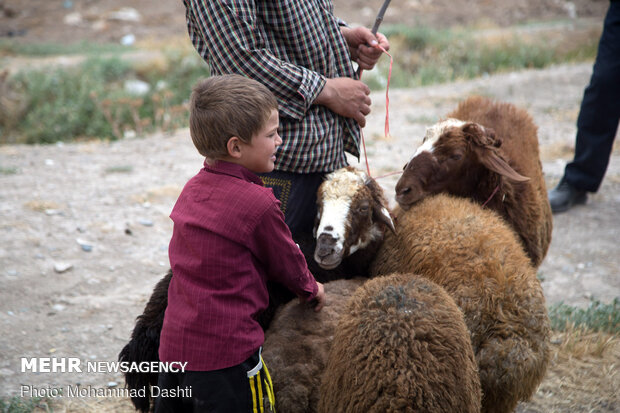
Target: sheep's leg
pixel 510 370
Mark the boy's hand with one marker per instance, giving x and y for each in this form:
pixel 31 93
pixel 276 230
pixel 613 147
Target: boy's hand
pixel 319 300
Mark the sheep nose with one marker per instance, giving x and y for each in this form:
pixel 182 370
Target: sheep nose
pixel 325 245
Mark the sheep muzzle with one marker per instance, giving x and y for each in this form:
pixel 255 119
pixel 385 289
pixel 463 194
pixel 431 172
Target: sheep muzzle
pixel 328 251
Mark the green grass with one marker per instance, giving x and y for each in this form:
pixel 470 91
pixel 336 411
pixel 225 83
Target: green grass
pixel 596 317
pixel 90 100
pixel 11 170
pixel 18 404
pixel 10 47
pixel 424 56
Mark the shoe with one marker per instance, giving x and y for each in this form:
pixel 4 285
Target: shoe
pixel 564 196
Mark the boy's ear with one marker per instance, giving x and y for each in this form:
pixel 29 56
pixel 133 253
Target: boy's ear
pixel 234 147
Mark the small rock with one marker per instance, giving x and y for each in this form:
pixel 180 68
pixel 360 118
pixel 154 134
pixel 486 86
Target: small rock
pixel 12 273
pixel 58 307
pixel 61 267
pixel 137 87
pixel 112 384
pixel 146 222
pixel 85 245
pixel 128 40
pixel 73 19
pixel 125 14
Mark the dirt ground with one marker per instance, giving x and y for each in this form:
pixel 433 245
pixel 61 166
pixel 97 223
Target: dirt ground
pixel 84 227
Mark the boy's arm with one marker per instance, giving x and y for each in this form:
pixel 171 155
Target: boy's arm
pixel 281 257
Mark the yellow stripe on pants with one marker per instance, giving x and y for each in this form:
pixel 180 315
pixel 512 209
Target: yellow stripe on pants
pixel 253 395
pixel 269 385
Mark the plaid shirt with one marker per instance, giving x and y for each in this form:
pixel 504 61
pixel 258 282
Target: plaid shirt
pixel 291 46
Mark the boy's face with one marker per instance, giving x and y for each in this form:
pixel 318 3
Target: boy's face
pixel 260 154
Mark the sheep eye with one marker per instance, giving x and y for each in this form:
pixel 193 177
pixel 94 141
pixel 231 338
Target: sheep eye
pixel 456 156
pixel 363 209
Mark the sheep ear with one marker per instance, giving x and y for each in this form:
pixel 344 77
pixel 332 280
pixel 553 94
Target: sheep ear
pixel 481 136
pixel 383 215
pixel 493 162
pixel 380 212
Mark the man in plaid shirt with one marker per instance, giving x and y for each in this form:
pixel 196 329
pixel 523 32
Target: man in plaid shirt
pixel 304 55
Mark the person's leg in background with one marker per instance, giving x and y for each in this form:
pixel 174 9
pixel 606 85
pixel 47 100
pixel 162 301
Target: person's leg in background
pixel 597 123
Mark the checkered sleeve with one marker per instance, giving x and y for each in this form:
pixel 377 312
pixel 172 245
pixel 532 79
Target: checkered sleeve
pixel 237 45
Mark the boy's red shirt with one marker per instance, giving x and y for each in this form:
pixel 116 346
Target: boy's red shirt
pixel 229 238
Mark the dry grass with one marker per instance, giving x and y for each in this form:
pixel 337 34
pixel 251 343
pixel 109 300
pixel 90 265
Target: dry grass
pixel 583 376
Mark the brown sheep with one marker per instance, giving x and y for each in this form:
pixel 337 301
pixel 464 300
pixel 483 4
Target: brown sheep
pixel 472 253
pixel 401 345
pixel 297 346
pixel 488 152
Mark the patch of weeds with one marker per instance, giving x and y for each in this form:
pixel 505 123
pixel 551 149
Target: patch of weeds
pixel 424 56
pixel 18 404
pixel 11 170
pixel 91 101
pixel 11 47
pixel 597 316
pixel 119 169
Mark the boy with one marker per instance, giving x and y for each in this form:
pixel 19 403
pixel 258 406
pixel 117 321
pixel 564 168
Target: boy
pixel 229 237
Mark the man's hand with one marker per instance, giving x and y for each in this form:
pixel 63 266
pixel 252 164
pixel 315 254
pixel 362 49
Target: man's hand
pixel 347 97
pixel 361 43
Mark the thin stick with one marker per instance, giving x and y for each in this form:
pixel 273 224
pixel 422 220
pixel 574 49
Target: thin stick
pixel 379 18
pixel 375 27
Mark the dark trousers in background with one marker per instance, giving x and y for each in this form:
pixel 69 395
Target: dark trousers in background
pixel 599 115
pixel 297 195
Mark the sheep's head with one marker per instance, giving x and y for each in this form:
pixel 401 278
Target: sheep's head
pixel 450 159
pixel 351 215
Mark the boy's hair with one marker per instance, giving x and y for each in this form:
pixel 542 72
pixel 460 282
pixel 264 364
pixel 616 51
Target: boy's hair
pixel 225 106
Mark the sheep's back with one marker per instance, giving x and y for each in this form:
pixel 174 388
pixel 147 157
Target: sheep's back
pixel 401 346
pixel 519 136
pixel 297 344
pixel 476 257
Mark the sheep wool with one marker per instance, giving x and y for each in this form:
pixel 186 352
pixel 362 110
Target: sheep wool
pixel 488 152
pixel 401 345
pixel 476 257
pixel 526 208
pixel 297 345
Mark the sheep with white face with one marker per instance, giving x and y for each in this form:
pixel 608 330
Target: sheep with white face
pixel 352 217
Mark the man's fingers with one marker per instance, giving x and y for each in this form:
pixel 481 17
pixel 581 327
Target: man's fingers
pixel 361 119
